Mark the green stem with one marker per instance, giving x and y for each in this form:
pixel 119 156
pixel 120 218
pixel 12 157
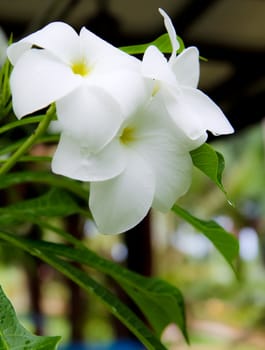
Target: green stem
pixel 42 127
pixel 19 123
pixel 45 139
pixel 31 159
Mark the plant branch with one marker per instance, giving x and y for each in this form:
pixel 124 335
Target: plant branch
pixel 42 127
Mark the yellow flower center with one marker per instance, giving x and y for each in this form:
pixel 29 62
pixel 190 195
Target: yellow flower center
pixel 128 135
pixel 80 68
pixel 155 88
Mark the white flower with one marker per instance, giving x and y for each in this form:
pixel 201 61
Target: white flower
pixel 83 74
pixel 147 165
pixel 176 81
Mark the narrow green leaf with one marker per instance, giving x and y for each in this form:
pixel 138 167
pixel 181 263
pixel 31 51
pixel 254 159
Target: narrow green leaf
pixel 210 162
pixel 5 94
pixel 162 43
pixel 26 159
pixel 9 148
pixel 48 178
pixel 30 141
pixel 159 301
pixel 18 123
pixel 224 241
pixel 115 306
pixel 56 202
pixel 14 336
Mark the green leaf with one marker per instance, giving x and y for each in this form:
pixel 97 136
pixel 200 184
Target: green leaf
pixel 48 178
pixel 159 301
pixel 5 94
pixel 56 202
pixel 8 148
pixel 27 159
pixel 210 162
pixel 30 141
pixel 115 306
pixel 18 123
pixel 224 241
pixel 14 336
pixel 162 43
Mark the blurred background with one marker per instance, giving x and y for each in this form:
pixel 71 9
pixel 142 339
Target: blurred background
pixel 223 312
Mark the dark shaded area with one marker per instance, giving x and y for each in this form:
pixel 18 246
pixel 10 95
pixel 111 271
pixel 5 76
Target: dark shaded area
pixel 138 240
pixel 78 303
pixel 139 259
pixel 103 21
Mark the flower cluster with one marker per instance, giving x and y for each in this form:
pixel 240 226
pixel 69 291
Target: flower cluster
pixel 127 126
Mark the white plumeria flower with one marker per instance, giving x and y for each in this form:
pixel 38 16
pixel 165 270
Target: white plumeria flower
pixel 147 165
pixel 177 81
pixel 55 64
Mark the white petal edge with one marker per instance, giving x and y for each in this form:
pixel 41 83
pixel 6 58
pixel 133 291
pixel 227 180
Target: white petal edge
pixel 75 161
pixel 172 168
pixel 183 115
pixel 166 151
pixel 96 49
pixel 173 178
pixel 90 115
pixel 171 32
pixel 39 79
pixel 211 116
pixel 128 88
pixel 16 50
pixel 155 66
pixel 186 67
pixel 122 202
pixel 59 38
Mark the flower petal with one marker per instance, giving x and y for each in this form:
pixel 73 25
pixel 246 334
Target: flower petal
pixel 183 114
pixel 90 115
pixel 166 151
pixel 74 160
pixel 171 32
pixel 202 107
pixel 155 66
pixel 59 38
pixel 128 88
pixel 97 50
pixel 173 174
pixel 16 50
pixel 122 202
pixel 39 79
pixel 186 67
pixel 195 113
pixel 115 71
